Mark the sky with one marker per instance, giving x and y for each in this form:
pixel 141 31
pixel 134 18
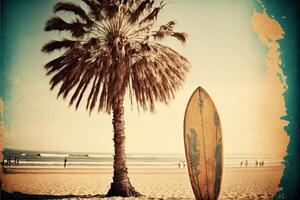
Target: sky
pixel 235 56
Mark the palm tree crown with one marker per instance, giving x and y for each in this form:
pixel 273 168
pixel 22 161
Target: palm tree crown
pixel 113 46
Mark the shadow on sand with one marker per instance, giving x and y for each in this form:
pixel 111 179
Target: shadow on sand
pixel 19 195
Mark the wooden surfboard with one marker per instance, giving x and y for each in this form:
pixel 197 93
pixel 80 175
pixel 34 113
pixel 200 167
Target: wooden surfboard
pixel 203 145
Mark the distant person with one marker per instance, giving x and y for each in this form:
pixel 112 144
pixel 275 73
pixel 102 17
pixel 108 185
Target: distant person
pixel 179 165
pixel 2 163
pixel 262 163
pixel 65 163
pixel 4 170
pixel 246 163
pixel 256 163
pixel 241 164
pixel 9 161
pixel 3 157
pixel 183 164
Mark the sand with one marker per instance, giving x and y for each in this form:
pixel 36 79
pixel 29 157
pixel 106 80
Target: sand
pixel 238 183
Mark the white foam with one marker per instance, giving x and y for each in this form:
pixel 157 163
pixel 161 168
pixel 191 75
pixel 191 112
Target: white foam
pixel 99 156
pixel 93 163
pixel 53 155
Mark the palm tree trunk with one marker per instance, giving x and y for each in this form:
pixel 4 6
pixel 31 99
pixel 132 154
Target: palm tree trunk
pixel 121 185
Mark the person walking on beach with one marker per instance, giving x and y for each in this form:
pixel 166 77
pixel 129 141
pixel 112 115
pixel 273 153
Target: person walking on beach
pixel 262 163
pixel 16 160
pixel 246 163
pixel 256 163
pixel 65 163
pixel 241 164
pixel 4 170
pixel 2 163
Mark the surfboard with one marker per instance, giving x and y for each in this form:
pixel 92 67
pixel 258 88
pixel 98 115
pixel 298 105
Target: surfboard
pixel 203 145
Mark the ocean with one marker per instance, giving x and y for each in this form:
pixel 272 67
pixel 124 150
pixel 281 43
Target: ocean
pixel 29 159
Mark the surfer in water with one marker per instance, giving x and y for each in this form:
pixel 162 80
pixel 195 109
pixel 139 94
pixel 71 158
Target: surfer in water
pixel 65 163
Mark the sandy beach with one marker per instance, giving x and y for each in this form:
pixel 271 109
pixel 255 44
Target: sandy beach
pixel 72 183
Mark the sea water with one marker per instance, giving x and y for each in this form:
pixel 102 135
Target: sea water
pixel 22 158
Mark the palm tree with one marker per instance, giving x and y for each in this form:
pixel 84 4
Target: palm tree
pixel 111 48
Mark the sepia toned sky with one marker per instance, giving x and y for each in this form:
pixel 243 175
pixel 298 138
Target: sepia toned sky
pixel 235 56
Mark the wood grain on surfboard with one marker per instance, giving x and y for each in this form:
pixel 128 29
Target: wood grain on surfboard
pixel 203 145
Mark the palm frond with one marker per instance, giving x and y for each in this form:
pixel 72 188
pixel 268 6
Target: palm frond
pixel 66 86
pixel 171 24
pixel 111 10
pixel 164 30
pixel 57 45
pixel 182 37
pixel 77 91
pixel 157 78
pixel 71 7
pixel 56 23
pixel 147 4
pixel 101 2
pixel 153 15
pixel 91 4
pixel 99 7
pixel 92 92
pixel 94 95
pixel 57 61
pixel 72 78
pixel 102 66
pixel 69 86
pixel 103 97
pixel 85 79
pixel 59 76
pixel 145 47
pixel 82 92
pixel 167 30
